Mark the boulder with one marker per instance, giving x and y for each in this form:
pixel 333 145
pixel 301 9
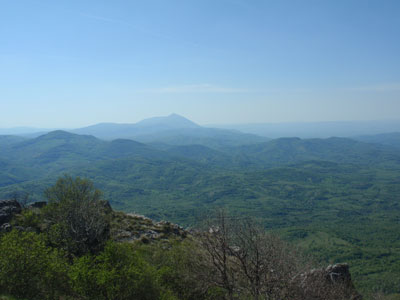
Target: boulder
pixel 338 273
pixel 6 227
pixel 7 209
pixel 334 280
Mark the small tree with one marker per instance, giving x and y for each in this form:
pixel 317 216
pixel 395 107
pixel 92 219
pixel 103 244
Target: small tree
pixel 266 263
pixel 217 242
pixel 250 263
pixel 77 216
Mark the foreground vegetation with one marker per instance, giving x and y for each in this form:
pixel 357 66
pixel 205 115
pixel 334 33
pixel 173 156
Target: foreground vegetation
pixel 69 250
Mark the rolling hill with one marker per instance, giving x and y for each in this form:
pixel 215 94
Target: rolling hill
pixel 337 196
pixel 342 150
pixel 7 140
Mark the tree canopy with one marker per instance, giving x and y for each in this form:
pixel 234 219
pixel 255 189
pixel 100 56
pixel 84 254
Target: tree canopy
pixel 77 216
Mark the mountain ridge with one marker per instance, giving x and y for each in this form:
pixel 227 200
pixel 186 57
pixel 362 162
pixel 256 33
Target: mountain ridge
pixel 129 130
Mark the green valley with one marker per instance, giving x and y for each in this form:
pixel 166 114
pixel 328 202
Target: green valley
pixel 336 197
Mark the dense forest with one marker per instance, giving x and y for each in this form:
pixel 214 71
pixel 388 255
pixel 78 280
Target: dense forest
pixel 335 198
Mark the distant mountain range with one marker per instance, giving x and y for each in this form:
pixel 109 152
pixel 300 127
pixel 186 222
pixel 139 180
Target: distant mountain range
pixel 316 129
pixel 23 130
pixel 56 152
pixel 169 130
pixel 389 139
pixel 175 127
pixel 145 127
pixel 171 168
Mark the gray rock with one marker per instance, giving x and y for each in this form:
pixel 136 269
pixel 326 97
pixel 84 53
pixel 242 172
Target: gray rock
pixel 338 273
pixel 333 277
pixel 6 227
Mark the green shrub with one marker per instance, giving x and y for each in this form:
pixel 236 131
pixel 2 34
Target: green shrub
pixel 184 269
pixel 29 218
pixel 116 273
pixel 30 269
pixel 77 217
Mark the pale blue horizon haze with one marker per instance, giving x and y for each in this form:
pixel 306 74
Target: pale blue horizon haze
pixel 69 64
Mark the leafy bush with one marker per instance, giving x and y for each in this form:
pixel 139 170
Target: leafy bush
pixel 30 269
pixel 116 273
pixel 77 216
pixel 183 268
pixel 28 219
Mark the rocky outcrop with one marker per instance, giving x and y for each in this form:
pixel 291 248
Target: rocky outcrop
pixel 134 227
pixel 338 273
pixel 7 209
pixel 6 227
pixel 334 280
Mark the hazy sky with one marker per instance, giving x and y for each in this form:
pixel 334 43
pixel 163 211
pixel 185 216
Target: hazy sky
pixel 69 63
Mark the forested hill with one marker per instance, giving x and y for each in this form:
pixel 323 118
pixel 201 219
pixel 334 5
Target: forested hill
pixel 341 150
pixel 336 196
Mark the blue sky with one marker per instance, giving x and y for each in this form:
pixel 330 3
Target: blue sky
pixel 75 63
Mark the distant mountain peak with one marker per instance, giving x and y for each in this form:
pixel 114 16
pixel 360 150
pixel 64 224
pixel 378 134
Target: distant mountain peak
pixel 145 127
pixel 172 121
pixel 176 116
